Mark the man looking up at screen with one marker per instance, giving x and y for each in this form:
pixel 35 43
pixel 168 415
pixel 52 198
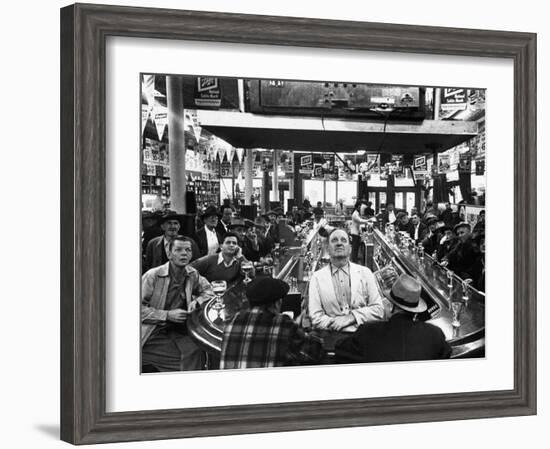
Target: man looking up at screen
pixel 343 295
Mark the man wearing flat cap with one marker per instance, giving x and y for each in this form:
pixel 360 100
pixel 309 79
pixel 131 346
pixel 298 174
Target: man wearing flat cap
pixel 157 251
pixel 402 338
pixel 207 237
pixel 264 337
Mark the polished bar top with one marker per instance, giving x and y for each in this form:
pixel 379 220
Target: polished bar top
pixel 290 263
pixel 441 289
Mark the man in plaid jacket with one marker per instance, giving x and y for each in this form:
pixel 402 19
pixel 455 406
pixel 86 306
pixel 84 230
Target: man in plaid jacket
pixel 264 337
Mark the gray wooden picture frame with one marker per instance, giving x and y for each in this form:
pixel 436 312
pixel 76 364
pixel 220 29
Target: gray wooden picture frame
pixel 84 29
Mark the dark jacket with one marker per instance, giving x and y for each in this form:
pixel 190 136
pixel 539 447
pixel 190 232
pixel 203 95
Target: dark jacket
pixel 399 339
pixel 422 231
pixel 463 258
pixel 431 243
pixel 220 229
pixel 202 241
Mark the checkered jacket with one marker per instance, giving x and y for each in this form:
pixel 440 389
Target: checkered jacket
pixel 258 338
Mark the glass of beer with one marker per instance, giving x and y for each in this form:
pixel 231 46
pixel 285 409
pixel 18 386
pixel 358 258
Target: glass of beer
pixel 219 288
pixel 457 308
pixel 247 268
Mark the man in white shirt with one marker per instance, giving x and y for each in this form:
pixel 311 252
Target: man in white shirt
pixel 207 238
pixel 389 216
pixel 343 295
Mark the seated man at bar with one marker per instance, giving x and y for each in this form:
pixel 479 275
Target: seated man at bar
pixel 463 255
pixel 418 229
pixel 264 337
pixel 431 237
pixel 224 266
pixel 403 223
pixel 157 251
pixel 402 337
pixel 168 294
pixel 343 295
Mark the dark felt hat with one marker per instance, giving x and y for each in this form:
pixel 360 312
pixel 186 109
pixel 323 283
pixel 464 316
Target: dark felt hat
pixel 250 224
pixel 210 211
pixel 265 290
pixel 431 220
pixel 237 223
pixel 276 211
pixel 170 215
pixel 462 224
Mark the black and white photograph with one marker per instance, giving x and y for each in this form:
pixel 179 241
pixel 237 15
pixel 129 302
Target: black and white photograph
pixel 295 223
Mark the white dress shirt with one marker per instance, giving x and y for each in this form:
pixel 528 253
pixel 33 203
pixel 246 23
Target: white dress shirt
pixel 212 239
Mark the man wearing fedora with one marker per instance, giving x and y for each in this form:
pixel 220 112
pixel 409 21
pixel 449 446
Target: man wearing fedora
pixel 343 295
pixel 272 230
pixel 402 337
pixel 169 293
pixel 208 239
pixel 264 337
pixel 157 250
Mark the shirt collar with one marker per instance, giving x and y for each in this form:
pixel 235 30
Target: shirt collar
pixel 344 269
pixel 220 260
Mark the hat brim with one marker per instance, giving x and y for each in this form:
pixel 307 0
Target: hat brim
pixel 171 217
pixel 421 307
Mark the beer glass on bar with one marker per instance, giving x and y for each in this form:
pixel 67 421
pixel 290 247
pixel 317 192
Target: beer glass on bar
pixel 219 288
pixel 247 267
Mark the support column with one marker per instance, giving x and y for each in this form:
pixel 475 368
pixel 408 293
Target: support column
pixel 297 181
pixel 176 143
pixel 275 196
pixel 291 180
pixel 248 186
pixel 437 102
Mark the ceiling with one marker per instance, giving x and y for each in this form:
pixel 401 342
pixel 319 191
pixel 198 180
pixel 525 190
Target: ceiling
pixel 246 130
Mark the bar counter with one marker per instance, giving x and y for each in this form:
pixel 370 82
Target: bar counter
pixel 441 290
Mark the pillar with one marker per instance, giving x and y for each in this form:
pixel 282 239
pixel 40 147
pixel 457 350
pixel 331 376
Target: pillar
pixel 176 143
pixel 248 175
pixel 275 195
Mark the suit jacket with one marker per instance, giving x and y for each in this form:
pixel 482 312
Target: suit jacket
pixel 398 339
pixel 202 241
pixel 220 229
pixel 422 231
pixel 366 303
pixel 155 254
